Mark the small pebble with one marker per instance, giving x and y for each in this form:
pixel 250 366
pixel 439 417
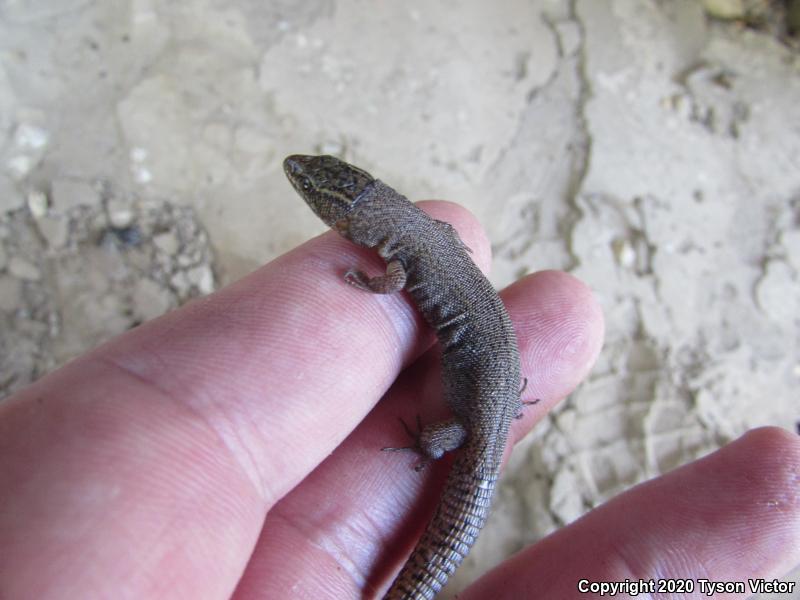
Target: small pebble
pixel 624 252
pixel 166 242
pixel 331 147
pixel 202 278
pixel 120 214
pixel 37 203
pixel 141 174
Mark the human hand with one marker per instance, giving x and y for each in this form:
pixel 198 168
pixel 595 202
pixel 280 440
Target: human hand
pixel 231 448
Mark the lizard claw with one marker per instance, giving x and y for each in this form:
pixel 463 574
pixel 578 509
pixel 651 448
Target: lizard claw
pixel 416 448
pixel 414 435
pixel 357 279
pixel 527 403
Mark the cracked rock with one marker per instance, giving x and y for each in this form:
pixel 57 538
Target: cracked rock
pixel 106 279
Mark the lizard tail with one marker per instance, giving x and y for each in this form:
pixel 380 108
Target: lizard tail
pixel 452 531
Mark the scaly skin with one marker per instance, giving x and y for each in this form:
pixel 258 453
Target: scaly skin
pixel 480 360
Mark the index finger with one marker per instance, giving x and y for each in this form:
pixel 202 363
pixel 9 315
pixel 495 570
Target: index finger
pixel 172 441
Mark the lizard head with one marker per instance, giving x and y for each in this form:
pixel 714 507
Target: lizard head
pixel 329 186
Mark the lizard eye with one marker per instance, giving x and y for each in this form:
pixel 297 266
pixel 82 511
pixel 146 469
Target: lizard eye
pixel 306 184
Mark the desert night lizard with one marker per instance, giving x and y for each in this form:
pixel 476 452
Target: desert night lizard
pixel 480 360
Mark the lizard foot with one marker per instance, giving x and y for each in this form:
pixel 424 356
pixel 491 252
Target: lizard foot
pixel 433 441
pixel 390 282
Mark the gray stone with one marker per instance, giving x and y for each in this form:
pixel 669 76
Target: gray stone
pixel 120 213
pixel 201 278
pixel 37 203
pixel 166 242
pixel 150 300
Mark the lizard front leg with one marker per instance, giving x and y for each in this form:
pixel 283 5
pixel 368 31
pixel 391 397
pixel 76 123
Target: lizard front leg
pixel 433 441
pixel 390 282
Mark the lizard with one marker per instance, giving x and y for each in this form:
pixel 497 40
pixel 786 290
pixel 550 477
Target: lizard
pixel 480 359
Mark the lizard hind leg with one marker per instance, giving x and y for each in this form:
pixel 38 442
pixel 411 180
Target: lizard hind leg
pixel 433 441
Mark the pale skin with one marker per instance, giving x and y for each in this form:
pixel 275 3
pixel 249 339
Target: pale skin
pixel 191 457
